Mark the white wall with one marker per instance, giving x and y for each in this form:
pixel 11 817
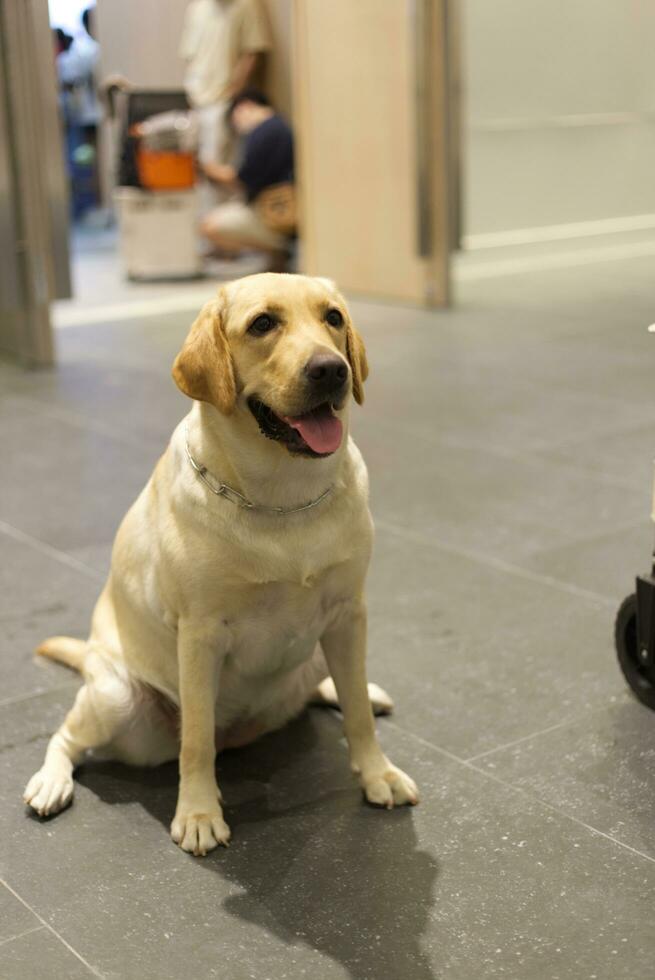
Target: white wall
pixel 560 111
pixel 140 39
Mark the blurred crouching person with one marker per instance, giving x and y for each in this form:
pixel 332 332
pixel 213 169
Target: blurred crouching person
pixel 263 215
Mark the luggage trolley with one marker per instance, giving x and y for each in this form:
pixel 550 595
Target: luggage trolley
pixel 634 635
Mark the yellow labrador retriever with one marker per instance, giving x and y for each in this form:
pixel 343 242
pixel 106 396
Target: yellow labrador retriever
pixel 236 591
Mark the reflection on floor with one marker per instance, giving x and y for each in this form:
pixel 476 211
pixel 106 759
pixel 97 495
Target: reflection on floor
pixel 509 443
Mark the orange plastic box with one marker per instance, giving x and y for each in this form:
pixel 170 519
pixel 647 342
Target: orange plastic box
pixel 161 170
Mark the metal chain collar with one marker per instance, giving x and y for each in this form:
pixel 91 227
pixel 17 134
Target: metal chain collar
pixel 223 490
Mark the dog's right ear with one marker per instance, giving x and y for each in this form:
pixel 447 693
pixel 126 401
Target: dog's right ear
pixel 203 369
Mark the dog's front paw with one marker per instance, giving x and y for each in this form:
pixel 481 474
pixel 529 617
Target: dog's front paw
pixel 48 791
pixel 390 787
pixel 199 833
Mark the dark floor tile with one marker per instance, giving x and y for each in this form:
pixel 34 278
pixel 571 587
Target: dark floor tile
pixel 600 305
pixel 27 720
pixel 35 582
pixel 489 401
pixel 598 769
pixel 606 564
pixel 515 426
pixel 96 556
pixel 73 485
pixel 15 918
pixel 503 507
pixel 476 657
pixel 39 597
pixel 135 406
pixel 476 881
pixel 515 342
pixel 38 956
pixel 623 455
pixel 144 343
pixel 117 376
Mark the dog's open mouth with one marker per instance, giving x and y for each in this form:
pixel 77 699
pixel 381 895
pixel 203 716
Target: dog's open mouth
pixel 316 433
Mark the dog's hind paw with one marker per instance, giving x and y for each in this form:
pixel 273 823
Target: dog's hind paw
pixel 381 702
pixel 326 694
pixel 48 792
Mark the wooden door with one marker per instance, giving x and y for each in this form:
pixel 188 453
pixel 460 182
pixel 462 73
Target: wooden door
pixel 370 117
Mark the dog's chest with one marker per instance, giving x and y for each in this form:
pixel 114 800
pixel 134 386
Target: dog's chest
pixel 282 623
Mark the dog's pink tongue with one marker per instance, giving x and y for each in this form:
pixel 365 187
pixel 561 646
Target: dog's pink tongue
pixel 320 429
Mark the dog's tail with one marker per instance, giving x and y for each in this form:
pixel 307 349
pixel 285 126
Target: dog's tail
pixel 65 650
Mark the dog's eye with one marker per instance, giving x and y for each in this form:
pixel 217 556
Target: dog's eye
pixel 262 324
pixel 334 318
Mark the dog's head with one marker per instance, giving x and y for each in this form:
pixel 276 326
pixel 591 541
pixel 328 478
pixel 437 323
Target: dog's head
pixel 283 349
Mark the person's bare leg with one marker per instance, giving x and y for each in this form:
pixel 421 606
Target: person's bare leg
pixel 235 244
pixel 219 239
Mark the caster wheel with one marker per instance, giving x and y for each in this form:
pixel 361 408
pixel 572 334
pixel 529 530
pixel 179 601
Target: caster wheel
pixel 625 637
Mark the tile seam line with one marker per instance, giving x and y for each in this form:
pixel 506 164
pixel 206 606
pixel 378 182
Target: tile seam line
pixel 78 420
pixel 498 453
pixel 536 734
pixel 28 932
pixel 533 455
pixel 51 929
pixel 47 549
pixel 540 456
pixel 499 564
pixel 561 813
pixel 479 557
pixel 597 539
pixel 518 790
pixel 20 698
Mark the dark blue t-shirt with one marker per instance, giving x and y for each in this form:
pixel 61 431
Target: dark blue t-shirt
pixel 267 156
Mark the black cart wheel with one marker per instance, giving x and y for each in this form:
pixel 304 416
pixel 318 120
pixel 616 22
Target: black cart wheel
pixel 625 637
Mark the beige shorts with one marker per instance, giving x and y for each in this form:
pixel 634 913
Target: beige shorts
pixel 240 221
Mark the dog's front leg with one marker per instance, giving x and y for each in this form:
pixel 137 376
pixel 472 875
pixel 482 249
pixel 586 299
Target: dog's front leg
pixel 198 825
pixel 344 646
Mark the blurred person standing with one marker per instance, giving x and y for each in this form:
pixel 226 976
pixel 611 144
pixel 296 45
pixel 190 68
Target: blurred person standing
pixel 76 66
pixel 261 216
pixel 77 63
pixel 223 42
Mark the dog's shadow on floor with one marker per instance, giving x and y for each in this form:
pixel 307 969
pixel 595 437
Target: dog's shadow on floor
pixel 315 865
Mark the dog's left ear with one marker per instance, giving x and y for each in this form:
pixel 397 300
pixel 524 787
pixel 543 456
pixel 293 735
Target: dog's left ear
pixel 203 369
pixel 358 364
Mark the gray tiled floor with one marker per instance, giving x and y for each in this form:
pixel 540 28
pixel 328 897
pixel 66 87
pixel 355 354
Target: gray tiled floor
pixel 509 443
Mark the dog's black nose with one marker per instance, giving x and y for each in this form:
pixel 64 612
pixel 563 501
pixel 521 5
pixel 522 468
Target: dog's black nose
pixel 326 372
